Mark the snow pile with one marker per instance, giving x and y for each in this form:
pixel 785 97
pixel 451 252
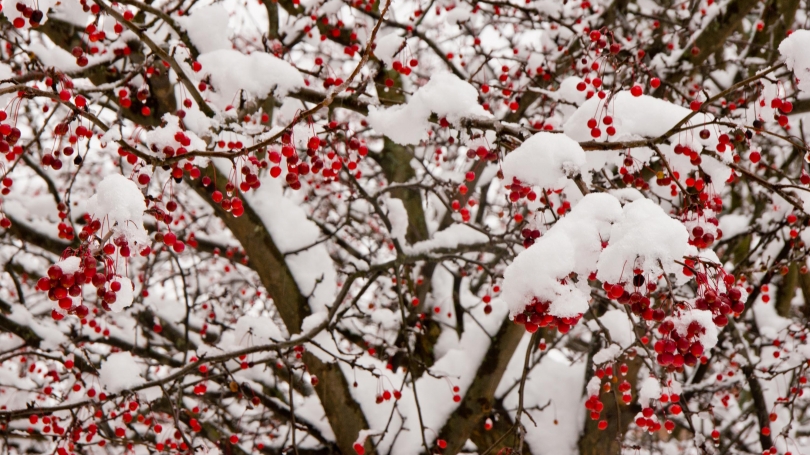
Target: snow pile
pixel 608 354
pixel 638 236
pixel 555 382
pixel 387 47
pixel 571 245
pixel 69 265
pixel 310 265
pixel 256 74
pixel 207 28
pixel 794 50
pixel 124 297
pixel 643 237
pixel 445 95
pixel 650 390
pixel 619 327
pixel 120 372
pixel 544 160
pixel 633 117
pixel 56 57
pixel 450 238
pixel 119 204
pixel 398 217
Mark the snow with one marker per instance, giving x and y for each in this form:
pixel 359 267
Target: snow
pixel 594 387
pixel 644 237
pixel 253 331
pixel 634 117
pixel 458 366
pixel 387 47
pixel 124 297
pixel 398 217
pixel 450 238
pixel 69 265
pixel 256 74
pixel 607 354
pixel 52 337
pixel 312 267
pixel 445 95
pixel 538 272
pixel 545 160
pixel 794 51
pixel 572 245
pixel 120 371
pixel 207 28
pixel 619 326
pixel 119 204
pixel 650 390
pixel 557 383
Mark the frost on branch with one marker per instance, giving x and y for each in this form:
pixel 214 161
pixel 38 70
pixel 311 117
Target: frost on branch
pixel 794 50
pixel 445 95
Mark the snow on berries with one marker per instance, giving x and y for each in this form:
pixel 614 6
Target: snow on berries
pixel 545 160
pixel 539 282
pixel 645 238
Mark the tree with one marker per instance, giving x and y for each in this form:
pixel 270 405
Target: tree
pixel 397 227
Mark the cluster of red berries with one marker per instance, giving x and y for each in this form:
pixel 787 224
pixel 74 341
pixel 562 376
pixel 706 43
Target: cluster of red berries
pixel 675 350
pixel 721 304
pixel 640 304
pixel 701 239
pixel 596 132
pixel 62 286
pixel 386 396
pixel 661 179
pixel 332 82
pixel 93 33
pixel 231 203
pixel 784 106
pixel 9 136
pixel 633 178
pixel 535 316
pixel 34 16
pixel 599 41
pixel 694 155
pixel 81 58
pixel 595 405
pixel 650 423
pixel 517 191
pixel 482 153
pixel 405 70
pixel 6 184
pixel 529 236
